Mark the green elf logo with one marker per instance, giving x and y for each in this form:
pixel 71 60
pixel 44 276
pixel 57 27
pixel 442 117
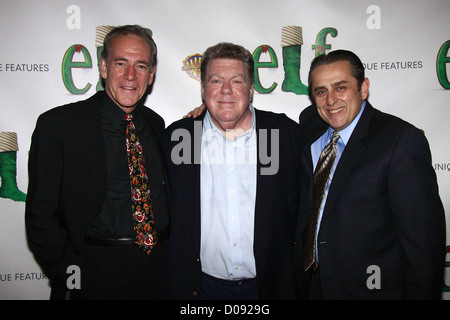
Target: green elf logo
pixel 291 43
pixel 441 65
pixel 78 56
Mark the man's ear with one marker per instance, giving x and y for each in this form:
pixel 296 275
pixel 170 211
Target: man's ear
pixel 103 69
pixel 152 76
pixel 365 89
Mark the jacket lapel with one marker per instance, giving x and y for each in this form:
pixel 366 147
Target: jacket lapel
pixel 311 128
pixel 306 165
pixel 194 176
pixel 355 146
pixel 306 159
pixel 91 137
pixel 262 190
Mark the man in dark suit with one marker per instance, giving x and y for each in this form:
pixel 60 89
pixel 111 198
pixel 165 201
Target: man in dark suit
pixel 235 179
pixel 79 204
pixel 381 231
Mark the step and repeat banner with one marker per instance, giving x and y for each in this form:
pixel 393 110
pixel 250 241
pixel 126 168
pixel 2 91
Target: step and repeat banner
pixel 49 57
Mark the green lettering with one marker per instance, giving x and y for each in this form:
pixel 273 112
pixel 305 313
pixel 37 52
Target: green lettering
pixel 441 65
pixel 321 46
pixel 273 63
pixel 68 64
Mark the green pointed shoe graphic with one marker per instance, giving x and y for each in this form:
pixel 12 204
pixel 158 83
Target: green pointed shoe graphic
pixel 291 42
pixel 8 172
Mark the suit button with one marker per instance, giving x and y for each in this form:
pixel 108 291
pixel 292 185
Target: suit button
pixel 195 293
pixel 198 260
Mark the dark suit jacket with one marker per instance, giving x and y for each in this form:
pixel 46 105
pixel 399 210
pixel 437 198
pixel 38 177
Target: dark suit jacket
pixel 276 208
pixel 67 181
pixel 383 209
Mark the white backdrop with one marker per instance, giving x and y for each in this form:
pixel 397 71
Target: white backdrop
pixel 399 42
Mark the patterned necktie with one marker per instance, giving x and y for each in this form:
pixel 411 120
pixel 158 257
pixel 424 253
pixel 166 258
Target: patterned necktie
pixel 141 207
pixel 321 177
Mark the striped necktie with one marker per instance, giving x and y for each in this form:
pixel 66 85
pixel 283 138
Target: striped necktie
pixel 321 177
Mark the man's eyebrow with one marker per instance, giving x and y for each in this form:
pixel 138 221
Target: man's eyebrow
pixel 214 75
pixel 335 84
pixel 126 60
pixel 237 75
pixel 144 62
pixel 319 88
pixel 339 83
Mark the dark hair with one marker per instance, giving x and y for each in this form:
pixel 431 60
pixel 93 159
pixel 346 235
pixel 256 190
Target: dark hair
pixel 227 50
pixel 137 30
pixel 334 56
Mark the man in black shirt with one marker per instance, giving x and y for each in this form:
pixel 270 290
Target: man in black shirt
pixel 84 206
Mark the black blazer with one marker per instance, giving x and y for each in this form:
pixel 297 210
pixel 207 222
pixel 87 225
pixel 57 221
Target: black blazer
pixel 383 209
pixel 275 212
pixel 67 181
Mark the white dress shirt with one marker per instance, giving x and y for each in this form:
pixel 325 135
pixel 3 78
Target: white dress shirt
pixel 228 192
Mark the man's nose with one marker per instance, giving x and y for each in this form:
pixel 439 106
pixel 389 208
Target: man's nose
pixel 130 73
pixel 331 98
pixel 226 87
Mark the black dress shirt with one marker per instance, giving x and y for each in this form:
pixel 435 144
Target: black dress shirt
pixel 114 219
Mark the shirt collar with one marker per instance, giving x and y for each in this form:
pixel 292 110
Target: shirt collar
pixel 115 115
pixel 209 126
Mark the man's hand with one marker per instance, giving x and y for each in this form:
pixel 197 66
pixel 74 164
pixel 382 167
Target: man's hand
pixel 196 112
